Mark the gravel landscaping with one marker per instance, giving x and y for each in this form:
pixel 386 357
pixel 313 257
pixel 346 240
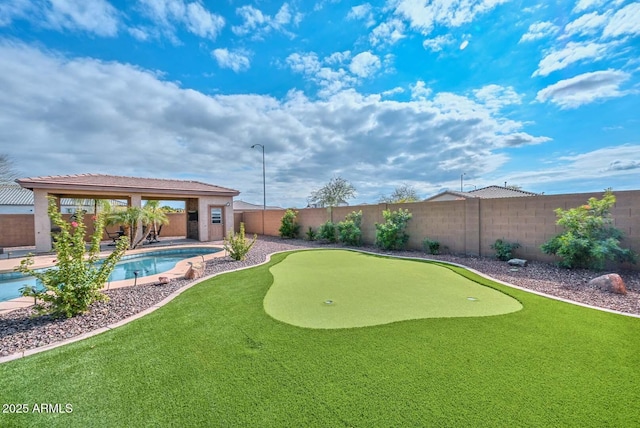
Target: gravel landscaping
pixel 20 330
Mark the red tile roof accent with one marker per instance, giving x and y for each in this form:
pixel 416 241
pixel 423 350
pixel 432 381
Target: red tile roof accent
pixel 122 183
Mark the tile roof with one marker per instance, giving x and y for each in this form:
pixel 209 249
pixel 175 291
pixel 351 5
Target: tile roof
pixel 120 183
pixel 500 192
pixel 489 192
pixel 239 205
pixel 12 194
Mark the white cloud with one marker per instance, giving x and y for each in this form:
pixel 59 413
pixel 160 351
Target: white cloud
pixel 306 63
pixel 539 30
pixel 464 45
pixel 623 165
pixel 237 60
pixel 389 33
pixel 436 44
pixel 119 108
pixel 392 92
pixel 202 22
pixel 625 21
pixel 573 52
pixel 257 24
pixel 587 24
pixel 363 12
pixel 584 89
pixel 364 64
pixel 583 5
pixel 495 96
pixel 166 14
pixel 97 17
pixel 419 91
pixel 338 57
pixel 138 33
pixel 424 16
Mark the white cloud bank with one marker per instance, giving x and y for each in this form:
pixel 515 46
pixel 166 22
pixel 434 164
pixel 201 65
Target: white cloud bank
pixel 86 115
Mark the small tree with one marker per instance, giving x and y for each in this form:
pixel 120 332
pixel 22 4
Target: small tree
pixel 333 194
pixel 76 281
pixel 404 193
pixel 392 235
pixel 590 239
pixel 349 231
pixel 288 226
pixel 237 245
pixel 150 216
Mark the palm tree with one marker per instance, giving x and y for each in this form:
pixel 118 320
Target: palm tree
pixel 155 215
pixel 131 217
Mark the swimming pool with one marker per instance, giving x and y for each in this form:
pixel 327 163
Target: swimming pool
pixel 145 264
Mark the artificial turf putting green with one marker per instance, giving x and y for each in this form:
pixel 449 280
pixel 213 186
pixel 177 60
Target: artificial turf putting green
pixel 345 289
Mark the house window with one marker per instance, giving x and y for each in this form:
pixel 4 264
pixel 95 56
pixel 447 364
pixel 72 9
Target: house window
pixel 216 215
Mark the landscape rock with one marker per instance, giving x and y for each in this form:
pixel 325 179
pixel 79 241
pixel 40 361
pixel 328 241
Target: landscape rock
pixel 195 271
pixel 611 282
pixel 164 280
pixel 518 262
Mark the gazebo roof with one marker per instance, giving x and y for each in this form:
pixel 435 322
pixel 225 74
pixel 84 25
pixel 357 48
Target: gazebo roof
pixel 114 184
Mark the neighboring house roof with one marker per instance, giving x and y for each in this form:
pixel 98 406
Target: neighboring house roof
pixel 239 205
pixel 14 195
pixel 489 192
pixel 115 183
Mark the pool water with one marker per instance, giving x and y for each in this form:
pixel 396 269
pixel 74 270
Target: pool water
pixel 146 264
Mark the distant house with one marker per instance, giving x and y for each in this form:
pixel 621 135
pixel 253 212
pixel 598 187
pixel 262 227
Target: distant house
pixel 241 206
pixel 18 200
pixel 489 192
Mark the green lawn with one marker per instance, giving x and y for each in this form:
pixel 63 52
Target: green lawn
pixel 213 357
pixel 343 289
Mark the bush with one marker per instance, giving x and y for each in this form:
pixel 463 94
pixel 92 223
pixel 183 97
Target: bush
pixel 311 234
pixel 327 232
pixel 288 226
pixel 75 283
pixel 590 240
pixel 431 247
pixel 237 245
pixel 392 235
pixel 504 249
pixel 349 231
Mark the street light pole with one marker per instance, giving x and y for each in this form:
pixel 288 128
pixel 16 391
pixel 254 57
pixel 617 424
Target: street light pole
pixel 461 180
pixel 264 186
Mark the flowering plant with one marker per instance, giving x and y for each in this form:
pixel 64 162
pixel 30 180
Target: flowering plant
pixel 76 280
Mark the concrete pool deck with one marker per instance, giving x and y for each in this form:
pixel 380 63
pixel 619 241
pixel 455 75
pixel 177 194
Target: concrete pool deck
pixel 48 260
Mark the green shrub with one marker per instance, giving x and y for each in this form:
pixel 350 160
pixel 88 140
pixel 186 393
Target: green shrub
pixel 327 232
pixel 288 226
pixel 504 249
pixel 392 235
pixel 76 282
pixel 237 245
pixel 311 234
pixel 431 247
pixel 589 240
pixel 349 231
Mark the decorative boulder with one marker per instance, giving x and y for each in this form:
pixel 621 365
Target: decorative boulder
pixel 517 262
pixel 611 282
pixel 195 271
pixel 164 280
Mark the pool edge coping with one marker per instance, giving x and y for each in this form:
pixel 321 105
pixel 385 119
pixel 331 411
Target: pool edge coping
pixel 170 297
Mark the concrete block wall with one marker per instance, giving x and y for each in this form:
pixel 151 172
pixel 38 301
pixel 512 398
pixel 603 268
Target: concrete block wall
pixel 471 226
pixel 17 230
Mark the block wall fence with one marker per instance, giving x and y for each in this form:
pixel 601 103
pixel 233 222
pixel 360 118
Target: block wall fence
pixel 18 230
pixel 469 226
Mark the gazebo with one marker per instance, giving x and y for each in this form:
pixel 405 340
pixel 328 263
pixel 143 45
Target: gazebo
pixel 209 207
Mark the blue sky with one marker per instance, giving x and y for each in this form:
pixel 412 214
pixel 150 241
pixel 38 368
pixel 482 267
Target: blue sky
pixel 536 94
